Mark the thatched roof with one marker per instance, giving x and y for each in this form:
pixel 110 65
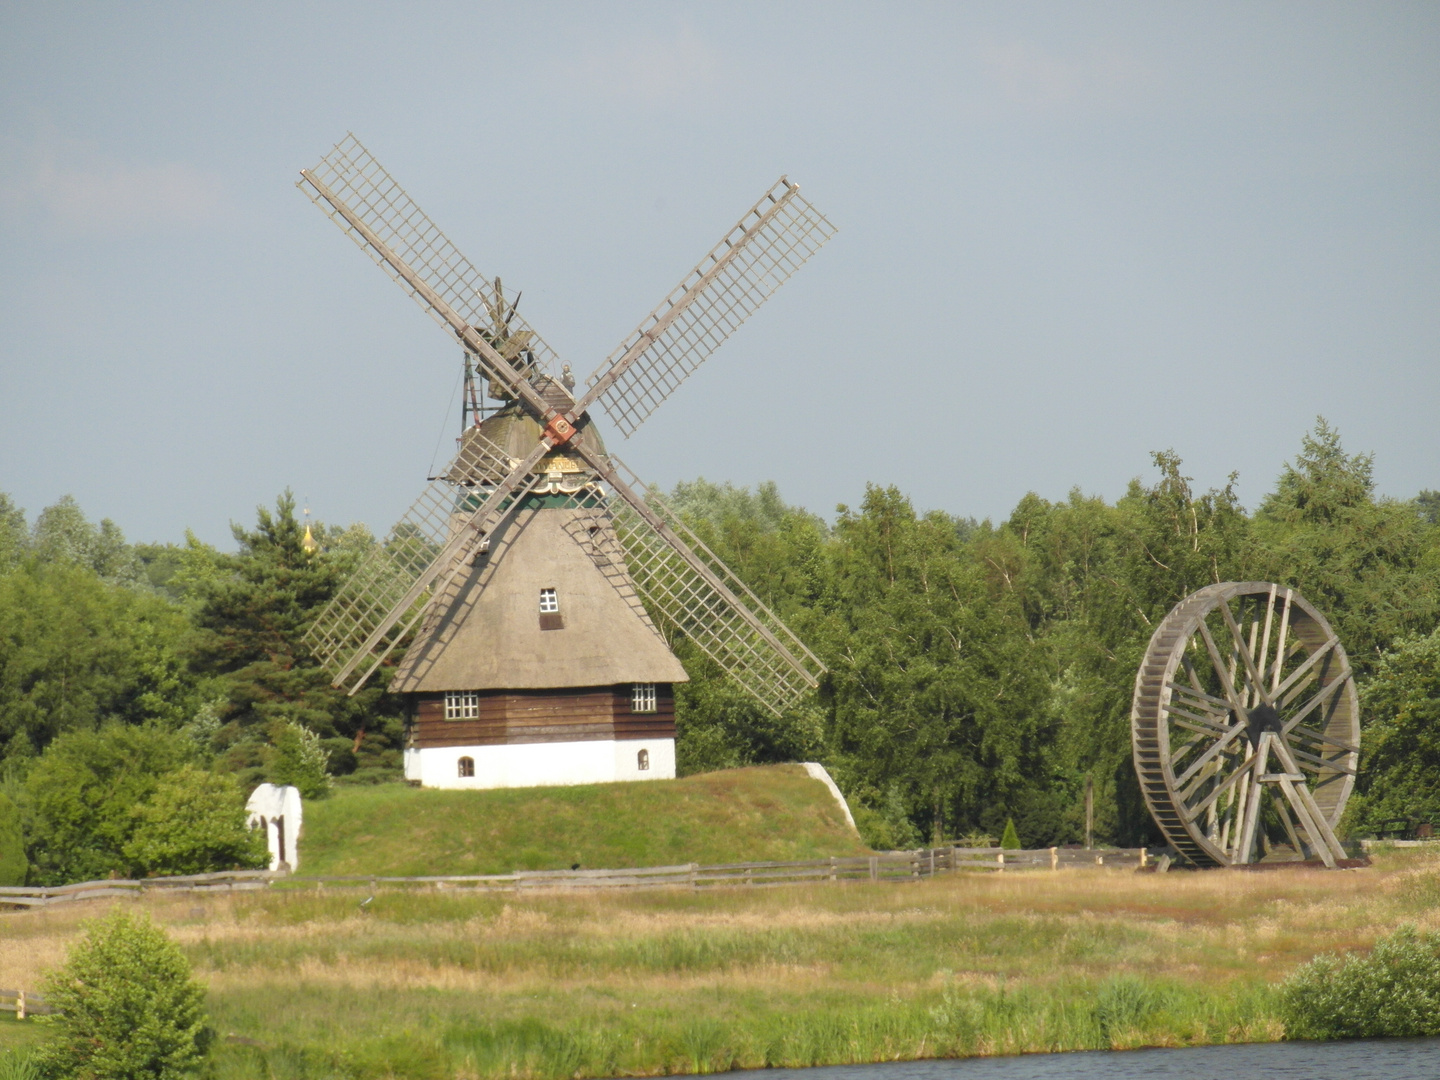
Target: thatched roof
pixel 485 635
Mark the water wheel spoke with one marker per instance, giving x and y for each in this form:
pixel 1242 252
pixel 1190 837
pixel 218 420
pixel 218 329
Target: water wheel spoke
pixel 1254 682
pixel 1310 661
pixel 1324 694
pixel 1281 650
pixel 1321 764
pixel 1219 789
pixel 1219 745
pixel 1210 720
pixel 1199 695
pixel 1220 670
pixel 1321 737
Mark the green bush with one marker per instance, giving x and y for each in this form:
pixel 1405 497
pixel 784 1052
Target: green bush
pixel 1010 839
pixel 297 758
pixel 1395 991
pixel 194 823
pixel 130 1009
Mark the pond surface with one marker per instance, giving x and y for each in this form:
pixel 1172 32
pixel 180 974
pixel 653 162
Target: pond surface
pixel 1366 1059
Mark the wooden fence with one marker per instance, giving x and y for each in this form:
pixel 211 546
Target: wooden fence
pixel 23 1005
pixel 226 881
pixel 885 866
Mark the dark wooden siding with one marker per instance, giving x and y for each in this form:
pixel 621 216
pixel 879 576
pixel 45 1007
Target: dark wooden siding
pixel 578 714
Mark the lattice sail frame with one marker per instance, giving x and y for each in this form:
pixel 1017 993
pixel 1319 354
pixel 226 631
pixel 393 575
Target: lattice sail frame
pixel 1246 725
pixel 776 668
pixel 387 571
pixel 773 240
pixel 353 174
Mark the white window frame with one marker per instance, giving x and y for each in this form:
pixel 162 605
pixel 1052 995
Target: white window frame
pixel 642 697
pixel 462 705
pixel 549 601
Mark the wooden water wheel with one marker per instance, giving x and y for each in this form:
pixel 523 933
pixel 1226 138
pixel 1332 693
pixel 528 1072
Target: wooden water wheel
pixel 1246 726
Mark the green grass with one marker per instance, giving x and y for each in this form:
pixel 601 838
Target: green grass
pixel 306 984
pixel 739 815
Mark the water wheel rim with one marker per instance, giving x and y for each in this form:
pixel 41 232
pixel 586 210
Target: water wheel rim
pixel 1175 722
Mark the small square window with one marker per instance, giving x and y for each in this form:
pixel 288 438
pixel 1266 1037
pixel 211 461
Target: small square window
pixel 549 602
pixel 462 705
pixel 642 697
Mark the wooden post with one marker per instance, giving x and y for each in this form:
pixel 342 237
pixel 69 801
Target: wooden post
pixel 1089 811
pixel 20 1005
pixel 932 862
pixel 1000 861
pixel 832 867
pixel 1054 858
pixel 874 867
pixel 1144 861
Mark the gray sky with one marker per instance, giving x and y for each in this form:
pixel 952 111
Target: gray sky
pixel 1069 235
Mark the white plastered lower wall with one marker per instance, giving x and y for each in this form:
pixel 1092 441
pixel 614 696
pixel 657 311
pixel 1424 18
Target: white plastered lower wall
pixel 542 764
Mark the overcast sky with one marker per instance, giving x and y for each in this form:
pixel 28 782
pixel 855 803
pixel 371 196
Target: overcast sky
pixel 1070 235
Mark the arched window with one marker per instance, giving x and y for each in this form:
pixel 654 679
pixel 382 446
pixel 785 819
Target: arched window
pixel 467 766
pixel 642 760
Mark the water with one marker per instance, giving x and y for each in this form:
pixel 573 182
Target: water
pixel 1367 1059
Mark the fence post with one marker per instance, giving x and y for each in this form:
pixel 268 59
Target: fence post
pixel 1143 860
pixel 1054 858
pixel 1099 860
pixel 20 1005
pixel 832 867
pixel 874 867
pixel 932 862
pixel 693 883
pixel 1000 861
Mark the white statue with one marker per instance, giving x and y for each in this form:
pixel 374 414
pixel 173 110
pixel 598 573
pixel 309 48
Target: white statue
pixel 277 810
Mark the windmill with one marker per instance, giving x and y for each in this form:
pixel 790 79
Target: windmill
pixel 528 569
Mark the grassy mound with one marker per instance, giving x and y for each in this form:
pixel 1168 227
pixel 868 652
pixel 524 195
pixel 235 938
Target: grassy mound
pixel 739 815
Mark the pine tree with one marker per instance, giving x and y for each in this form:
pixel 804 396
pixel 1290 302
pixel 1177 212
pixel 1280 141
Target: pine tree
pixel 1010 839
pixel 252 614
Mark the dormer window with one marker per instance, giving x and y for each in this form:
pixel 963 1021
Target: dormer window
pixel 642 697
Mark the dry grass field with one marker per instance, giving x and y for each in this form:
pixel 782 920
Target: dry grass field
pixel 442 984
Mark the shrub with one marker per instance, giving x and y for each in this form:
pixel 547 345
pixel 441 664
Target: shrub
pixel 194 823
pixel 1010 839
pixel 297 758
pixel 1395 991
pixel 82 793
pixel 130 1009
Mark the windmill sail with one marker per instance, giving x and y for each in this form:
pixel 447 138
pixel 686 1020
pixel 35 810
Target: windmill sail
pixel 728 623
pixel 354 177
pixel 773 240
pixel 376 599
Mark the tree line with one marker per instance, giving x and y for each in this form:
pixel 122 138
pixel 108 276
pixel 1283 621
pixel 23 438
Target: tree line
pixel 977 672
